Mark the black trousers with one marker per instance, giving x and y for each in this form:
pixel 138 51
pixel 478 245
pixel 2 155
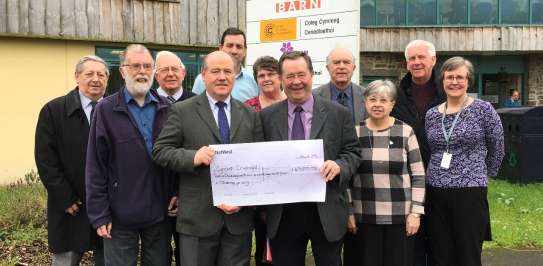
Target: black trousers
pixel 260 239
pixel 458 223
pixel 300 223
pixel 379 245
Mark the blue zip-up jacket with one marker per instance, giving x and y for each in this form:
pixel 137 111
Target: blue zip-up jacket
pixel 124 185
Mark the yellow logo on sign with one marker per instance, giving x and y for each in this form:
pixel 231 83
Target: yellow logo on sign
pixel 278 30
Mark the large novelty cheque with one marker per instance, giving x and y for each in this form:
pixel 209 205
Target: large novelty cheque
pixel 266 173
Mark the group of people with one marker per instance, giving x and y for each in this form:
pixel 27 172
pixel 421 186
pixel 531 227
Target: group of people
pixel 405 166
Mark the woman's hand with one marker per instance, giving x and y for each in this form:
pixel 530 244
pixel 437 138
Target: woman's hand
pixel 351 225
pixel 412 224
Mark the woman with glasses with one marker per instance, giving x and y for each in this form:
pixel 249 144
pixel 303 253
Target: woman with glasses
pixel 388 190
pixel 265 72
pixel 466 143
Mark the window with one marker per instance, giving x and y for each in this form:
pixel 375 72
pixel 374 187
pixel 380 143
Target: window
pixel 453 12
pixel 422 12
pixel 484 11
pixel 450 12
pixel 367 12
pixel 390 12
pixel 515 12
pixel 537 11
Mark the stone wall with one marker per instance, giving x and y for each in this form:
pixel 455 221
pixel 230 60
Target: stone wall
pixel 382 64
pixel 535 80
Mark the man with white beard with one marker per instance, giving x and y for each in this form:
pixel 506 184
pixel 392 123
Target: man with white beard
pixel 128 195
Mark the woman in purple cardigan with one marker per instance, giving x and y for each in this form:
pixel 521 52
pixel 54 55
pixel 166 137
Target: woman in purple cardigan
pixel 466 143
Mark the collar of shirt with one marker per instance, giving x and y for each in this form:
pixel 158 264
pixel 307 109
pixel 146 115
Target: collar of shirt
pixel 334 91
pixel 176 95
pixel 215 108
pixel 86 105
pixel 148 98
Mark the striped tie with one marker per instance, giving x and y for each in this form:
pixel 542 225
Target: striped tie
pixel 172 99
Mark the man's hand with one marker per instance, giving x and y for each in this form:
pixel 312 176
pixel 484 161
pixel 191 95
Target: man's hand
pixel 73 210
pixel 203 156
pixel 351 225
pixel 228 209
pixel 104 231
pixel 172 207
pixel 329 170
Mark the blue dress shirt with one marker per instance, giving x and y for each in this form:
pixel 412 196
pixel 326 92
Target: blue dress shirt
pixel 144 116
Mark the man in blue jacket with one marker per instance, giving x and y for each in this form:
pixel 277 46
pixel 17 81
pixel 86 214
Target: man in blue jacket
pixel 128 195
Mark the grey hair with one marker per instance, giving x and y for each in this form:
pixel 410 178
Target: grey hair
pixel 416 43
pixel 455 63
pixel 381 87
pixel 164 53
pixel 90 58
pixel 133 47
pixel 337 48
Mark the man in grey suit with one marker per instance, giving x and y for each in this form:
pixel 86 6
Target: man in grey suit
pixel 341 65
pixel 302 116
pixel 208 235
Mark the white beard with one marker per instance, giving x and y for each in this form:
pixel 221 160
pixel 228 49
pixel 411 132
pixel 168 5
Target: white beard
pixel 138 88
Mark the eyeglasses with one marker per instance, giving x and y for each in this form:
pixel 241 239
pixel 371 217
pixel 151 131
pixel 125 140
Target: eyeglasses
pixel 458 79
pixel 300 75
pixel 137 66
pixel 166 70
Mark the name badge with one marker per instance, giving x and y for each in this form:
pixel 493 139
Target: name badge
pixel 446 160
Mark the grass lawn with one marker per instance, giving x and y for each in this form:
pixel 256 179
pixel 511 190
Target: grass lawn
pixel 516 212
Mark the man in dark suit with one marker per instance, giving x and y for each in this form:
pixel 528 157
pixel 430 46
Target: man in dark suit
pixel 303 116
pixel 340 64
pixel 61 147
pixel 208 235
pixel 170 72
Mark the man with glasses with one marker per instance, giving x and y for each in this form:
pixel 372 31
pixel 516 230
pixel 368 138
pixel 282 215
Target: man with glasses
pixel 419 91
pixel 170 73
pixel 128 195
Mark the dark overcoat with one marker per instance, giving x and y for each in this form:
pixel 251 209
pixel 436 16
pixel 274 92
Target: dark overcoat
pixel 60 152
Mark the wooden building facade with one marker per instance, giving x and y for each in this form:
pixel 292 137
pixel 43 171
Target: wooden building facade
pixel 163 22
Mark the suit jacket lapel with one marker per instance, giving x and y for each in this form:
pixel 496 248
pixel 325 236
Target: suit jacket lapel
pixel 281 120
pixel 319 117
pixel 205 113
pixel 235 118
pixel 326 92
pixel 359 109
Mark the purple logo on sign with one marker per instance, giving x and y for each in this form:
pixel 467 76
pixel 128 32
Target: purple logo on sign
pixel 287 47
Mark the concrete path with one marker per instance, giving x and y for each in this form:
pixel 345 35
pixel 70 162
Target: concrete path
pixel 512 257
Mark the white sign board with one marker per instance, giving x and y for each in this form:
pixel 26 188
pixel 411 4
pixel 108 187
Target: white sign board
pixel 265 173
pixel 315 26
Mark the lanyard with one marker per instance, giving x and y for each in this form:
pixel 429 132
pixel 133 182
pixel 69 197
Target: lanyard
pixel 449 134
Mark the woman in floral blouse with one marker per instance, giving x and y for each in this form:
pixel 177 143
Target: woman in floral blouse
pixel 466 142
